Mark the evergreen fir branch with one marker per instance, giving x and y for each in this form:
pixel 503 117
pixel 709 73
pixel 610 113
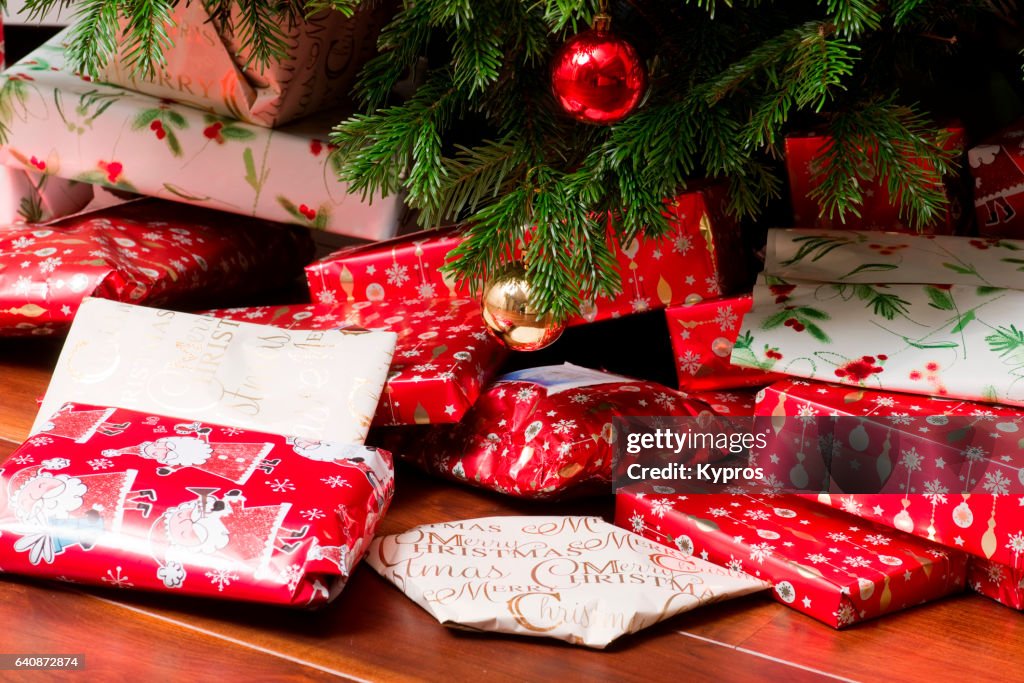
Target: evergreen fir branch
pixel 490 238
pixel 401 44
pixel 573 15
pixel 477 55
pixel 260 27
pixel 853 17
pixel 1005 340
pixel 472 176
pixel 93 37
pixel 456 14
pixel 399 146
pixel 346 7
pixel 146 36
pixel 883 140
pixel 903 10
pixel 751 188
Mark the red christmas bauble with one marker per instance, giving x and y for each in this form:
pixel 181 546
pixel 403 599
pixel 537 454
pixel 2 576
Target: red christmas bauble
pixel 597 77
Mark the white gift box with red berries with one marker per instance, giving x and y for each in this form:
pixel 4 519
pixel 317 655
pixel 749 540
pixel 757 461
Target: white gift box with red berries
pixel 62 124
pixel 921 314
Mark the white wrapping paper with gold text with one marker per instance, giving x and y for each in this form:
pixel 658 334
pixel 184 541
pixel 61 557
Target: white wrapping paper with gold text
pixel 321 385
pixel 66 125
pixel 577 579
pixel 929 315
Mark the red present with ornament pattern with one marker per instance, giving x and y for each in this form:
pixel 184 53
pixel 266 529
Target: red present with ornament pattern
pixel 887 452
pixel 443 357
pixel 804 154
pixel 824 563
pixel 997 167
pixel 149 252
pixel 113 497
pixel 727 403
pixel 985 525
pixel 700 257
pixel 704 335
pixel 1003 584
pixel 540 433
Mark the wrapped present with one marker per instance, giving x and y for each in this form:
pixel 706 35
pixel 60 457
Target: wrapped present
pixel 997 166
pixel 704 335
pixel 578 579
pixel 823 563
pixel 1003 584
pixel 804 156
pixel 542 432
pixel 443 356
pixel 727 403
pixel 936 316
pixel 105 135
pixel 884 442
pixel 319 385
pixel 123 499
pixel 150 252
pixel 989 526
pixel 209 66
pixel 701 257
pixel 34 197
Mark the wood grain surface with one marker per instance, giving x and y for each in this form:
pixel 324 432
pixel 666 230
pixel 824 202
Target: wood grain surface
pixel 372 632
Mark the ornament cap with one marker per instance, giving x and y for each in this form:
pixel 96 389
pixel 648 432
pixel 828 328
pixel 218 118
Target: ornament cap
pixel 602 23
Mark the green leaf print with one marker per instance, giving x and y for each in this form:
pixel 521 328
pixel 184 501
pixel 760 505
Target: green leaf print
pixel 940 298
pixel 1006 340
pixel 959 269
pixel 816 247
pixel 871 268
pixel 882 303
pixel 963 321
pixel 1015 261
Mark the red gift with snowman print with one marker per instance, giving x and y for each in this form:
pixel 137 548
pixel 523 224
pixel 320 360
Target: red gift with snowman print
pixel 120 498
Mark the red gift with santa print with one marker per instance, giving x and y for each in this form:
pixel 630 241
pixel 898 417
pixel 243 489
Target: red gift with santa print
pixel 880 211
pixel 150 252
pixel 442 359
pixel 540 433
pixel 1003 584
pixel 997 166
pixel 824 563
pixel 700 257
pixel 704 336
pixel 114 497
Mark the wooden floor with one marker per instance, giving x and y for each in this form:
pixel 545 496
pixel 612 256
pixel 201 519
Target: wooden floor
pixel 372 632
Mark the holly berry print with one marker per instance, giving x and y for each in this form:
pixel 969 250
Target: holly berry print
pixel 926 315
pixel 102 134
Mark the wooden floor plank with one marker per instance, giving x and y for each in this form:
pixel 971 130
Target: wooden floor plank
pixel 120 646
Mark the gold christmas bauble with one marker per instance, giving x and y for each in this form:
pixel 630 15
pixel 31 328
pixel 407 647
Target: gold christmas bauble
pixel 509 315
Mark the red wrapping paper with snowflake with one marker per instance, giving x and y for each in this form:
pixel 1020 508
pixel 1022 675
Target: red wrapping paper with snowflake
pixel 1003 584
pixel 826 564
pixel 540 433
pixel 804 157
pixel 918 314
pixel 113 497
pixel 704 335
pixel 903 444
pixel 997 167
pixel 727 403
pixel 151 253
pixel 442 359
pixel 700 257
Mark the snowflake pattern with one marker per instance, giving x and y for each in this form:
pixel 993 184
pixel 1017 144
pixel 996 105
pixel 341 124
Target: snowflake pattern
pixel 221 578
pixel 759 552
pixel 280 485
pixel 689 362
pixel 397 274
pixel 563 426
pixel 117 580
pixel 637 522
pixel 857 561
pixel 660 506
pixel 336 481
pixel 313 514
pixel 100 463
pixel 291 575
